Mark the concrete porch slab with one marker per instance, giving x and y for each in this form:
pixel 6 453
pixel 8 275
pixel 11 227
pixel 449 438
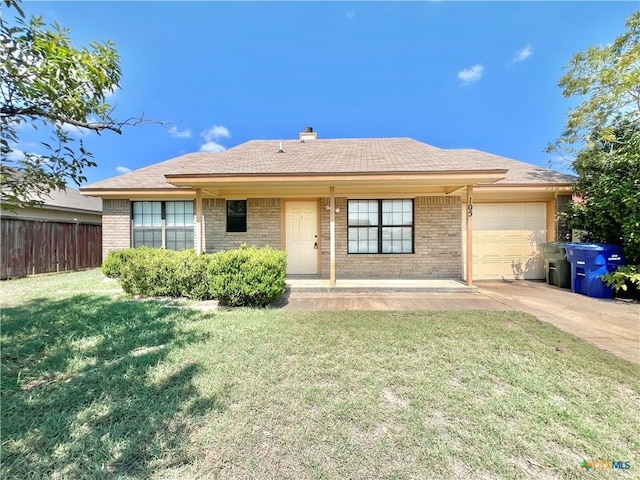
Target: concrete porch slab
pixel 321 285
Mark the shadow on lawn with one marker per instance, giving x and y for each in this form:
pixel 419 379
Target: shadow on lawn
pixel 88 390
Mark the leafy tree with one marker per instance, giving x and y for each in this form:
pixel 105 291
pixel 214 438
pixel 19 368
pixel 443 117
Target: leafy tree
pixel 603 133
pixel 50 85
pixel 607 79
pixel 608 188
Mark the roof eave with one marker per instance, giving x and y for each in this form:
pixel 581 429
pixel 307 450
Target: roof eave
pixel 72 209
pixel 7 205
pixel 526 186
pixel 467 177
pixel 125 193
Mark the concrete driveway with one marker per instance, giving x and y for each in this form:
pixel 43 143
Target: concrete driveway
pixel 613 325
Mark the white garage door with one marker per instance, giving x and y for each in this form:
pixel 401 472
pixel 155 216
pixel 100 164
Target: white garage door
pixel 506 238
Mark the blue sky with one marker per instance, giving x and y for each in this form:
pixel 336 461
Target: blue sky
pixel 477 75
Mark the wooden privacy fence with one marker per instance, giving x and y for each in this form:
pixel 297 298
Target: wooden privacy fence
pixel 30 247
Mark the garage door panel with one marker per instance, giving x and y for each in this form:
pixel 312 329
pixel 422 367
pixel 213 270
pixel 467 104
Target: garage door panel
pixel 511 211
pixel 514 251
pixel 492 210
pixel 535 210
pixel 496 268
pixel 506 239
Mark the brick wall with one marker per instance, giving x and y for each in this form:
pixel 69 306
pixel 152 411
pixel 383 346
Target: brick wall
pixel 437 244
pixel 116 226
pixel 263 224
pixel 437 234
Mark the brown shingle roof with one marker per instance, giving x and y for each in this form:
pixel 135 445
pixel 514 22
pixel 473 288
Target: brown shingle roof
pixel 358 155
pixel 518 172
pixel 70 200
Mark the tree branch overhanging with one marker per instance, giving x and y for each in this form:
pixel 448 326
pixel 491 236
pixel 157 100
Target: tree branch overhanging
pixel 48 82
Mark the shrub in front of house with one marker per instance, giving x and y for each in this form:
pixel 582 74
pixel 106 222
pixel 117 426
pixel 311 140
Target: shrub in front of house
pixel 191 275
pixel 156 272
pixel 149 272
pixel 114 262
pixel 248 276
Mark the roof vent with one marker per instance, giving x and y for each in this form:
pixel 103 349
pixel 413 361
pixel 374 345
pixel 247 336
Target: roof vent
pixel 280 150
pixel 308 134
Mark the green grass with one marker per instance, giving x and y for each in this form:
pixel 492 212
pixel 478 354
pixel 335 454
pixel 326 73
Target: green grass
pixel 96 385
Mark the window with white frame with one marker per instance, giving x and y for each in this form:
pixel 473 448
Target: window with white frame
pixel 179 225
pixel 380 226
pixel 163 224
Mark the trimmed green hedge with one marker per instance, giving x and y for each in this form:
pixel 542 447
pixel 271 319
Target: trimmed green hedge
pixel 248 276
pixel 112 266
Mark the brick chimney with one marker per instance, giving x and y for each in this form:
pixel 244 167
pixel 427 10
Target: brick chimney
pixel 308 135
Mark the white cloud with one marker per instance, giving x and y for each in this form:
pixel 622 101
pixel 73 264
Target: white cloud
pixel 472 74
pixel 121 169
pixel 211 136
pixel 216 132
pixel 74 131
pixel 524 53
pixel 175 133
pixel 108 94
pixel 14 155
pixel 212 147
pixel 17 155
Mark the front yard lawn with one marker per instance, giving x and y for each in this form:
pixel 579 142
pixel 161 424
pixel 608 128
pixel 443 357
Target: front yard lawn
pixel 96 385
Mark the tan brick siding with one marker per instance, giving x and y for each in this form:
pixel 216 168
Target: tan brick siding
pixel 437 236
pixel 437 244
pixel 116 226
pixel 263 224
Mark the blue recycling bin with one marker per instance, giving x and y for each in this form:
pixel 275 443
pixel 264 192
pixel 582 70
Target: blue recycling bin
pixel 589 261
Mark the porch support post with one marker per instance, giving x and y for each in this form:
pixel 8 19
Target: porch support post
pixel 552 219
pixel 469 217
pixel 198 232
pixel 332 237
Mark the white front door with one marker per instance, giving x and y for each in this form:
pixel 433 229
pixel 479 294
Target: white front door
pixel 302 237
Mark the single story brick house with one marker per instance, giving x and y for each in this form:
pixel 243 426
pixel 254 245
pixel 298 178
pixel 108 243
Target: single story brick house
pixel 345 208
